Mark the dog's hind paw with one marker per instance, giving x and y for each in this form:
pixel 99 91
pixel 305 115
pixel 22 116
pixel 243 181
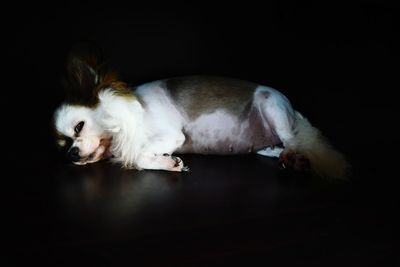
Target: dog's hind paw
pixel 289 159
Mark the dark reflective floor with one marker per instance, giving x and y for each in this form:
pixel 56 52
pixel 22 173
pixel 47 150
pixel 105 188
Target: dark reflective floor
pixel 227 210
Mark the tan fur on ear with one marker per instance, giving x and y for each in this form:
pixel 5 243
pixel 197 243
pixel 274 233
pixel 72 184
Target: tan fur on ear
pixel 110 81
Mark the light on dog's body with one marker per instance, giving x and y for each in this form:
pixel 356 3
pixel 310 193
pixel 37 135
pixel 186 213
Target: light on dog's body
pixel 196 114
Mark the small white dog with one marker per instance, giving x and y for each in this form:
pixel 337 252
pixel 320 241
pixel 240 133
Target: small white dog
pixel 142 127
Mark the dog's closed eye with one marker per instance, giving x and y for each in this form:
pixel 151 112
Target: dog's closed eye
pixel 78 127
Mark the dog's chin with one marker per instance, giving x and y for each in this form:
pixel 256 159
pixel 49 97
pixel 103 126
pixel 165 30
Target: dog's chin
pixel 92 158
pixel 100 153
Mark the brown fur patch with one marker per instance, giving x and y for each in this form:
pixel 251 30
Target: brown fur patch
pixel 204 94
pixel 110 80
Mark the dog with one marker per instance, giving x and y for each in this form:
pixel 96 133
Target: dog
pixel 145 126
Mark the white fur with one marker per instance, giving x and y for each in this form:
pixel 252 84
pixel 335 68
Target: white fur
pixel 277 109
pixel 205 136
pixel 142 135
pixel 145 136
pixel 270 152
pixel 68 116
pixel 122 117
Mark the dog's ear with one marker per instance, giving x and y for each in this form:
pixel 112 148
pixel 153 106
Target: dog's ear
pixel 84 65
pixel 83 71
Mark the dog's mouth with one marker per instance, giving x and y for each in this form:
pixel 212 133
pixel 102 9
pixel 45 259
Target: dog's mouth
pixel 100 153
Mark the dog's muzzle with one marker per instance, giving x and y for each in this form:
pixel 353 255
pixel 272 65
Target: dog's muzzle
pixel 73 154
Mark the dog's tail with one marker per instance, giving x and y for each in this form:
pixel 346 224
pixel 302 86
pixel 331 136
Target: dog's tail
pixel 324 160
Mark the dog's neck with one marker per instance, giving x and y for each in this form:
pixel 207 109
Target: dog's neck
pixel 122 117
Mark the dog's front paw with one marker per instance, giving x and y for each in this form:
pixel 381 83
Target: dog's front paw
pixel 176 164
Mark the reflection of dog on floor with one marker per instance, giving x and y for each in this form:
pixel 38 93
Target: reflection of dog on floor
pixel 142 127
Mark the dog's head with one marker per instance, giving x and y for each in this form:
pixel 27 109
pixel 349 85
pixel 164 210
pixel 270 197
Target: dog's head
pixel 80 134
pixel 77 120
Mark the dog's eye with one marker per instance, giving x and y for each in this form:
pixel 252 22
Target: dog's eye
pixel 78 127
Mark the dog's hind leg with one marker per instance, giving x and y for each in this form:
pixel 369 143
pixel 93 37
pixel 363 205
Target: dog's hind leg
pixel 277 112
pixel 304 146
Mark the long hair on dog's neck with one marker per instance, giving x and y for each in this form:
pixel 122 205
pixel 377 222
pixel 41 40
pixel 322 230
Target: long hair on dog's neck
pixel 123 118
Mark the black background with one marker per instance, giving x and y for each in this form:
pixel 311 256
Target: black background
pixel 339 59
pixel 337 63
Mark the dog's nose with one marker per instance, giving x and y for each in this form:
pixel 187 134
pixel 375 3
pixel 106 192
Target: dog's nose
pixel 73 154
